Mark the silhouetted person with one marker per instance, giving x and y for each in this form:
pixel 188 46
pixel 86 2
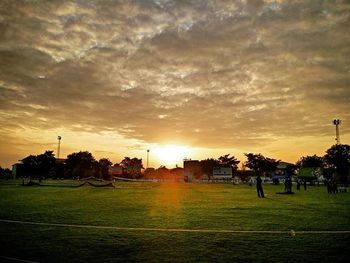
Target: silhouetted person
pixel 334 187
pixel 289 184
pixel 259 188
pixel 329 186
pixel 298 185
pixel 305 185
pixel 286 185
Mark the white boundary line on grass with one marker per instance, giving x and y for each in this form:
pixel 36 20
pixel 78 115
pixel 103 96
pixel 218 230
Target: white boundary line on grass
pixel 18 260
pixel 179 229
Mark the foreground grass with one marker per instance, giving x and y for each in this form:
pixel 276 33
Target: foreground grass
pixel 185 206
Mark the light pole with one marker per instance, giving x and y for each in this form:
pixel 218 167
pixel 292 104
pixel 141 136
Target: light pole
pixel 147 157
pixel 337 122
pixel 59 146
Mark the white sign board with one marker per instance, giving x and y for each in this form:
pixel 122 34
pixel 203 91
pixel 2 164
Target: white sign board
pixel 222 172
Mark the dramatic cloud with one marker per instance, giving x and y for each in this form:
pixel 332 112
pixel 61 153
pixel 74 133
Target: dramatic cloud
pixel 211 74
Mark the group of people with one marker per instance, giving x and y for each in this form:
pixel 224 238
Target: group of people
pixel 331 186
pixel 330 183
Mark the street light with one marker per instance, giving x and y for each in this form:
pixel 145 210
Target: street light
pixel 337 122
pixel 59 146
pixel 147 157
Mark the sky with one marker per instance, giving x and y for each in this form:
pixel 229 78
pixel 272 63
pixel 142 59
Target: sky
pixel 184 79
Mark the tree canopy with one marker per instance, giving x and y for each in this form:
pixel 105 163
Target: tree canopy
pixel 260 164
pixel 338 157
pixel 80 164
pixel 227 160
pixel 128 162
pixel 39 165
pixel 310 161
pixel 104 164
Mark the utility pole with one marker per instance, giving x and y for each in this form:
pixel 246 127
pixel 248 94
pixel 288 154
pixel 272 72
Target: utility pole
pixel 337 122
pixel 59 146
pixel 147 157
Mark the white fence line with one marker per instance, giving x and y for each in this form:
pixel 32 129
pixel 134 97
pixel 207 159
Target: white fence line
pixel 291 232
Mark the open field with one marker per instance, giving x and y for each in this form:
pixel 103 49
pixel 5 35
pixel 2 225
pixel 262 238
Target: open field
pixel 139 213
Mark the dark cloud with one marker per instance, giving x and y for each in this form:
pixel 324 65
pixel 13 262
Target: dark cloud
pixel 208 73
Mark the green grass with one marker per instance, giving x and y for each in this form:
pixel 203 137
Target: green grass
pixel 189 206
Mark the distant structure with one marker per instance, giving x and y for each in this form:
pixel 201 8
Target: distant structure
pixel 147 158
pixel 192 170
pixel 124 171
pixel 282 170
pixel 337 122
pixel 59 146
pixel 222 173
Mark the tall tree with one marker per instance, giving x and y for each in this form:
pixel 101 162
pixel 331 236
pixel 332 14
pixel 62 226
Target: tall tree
pixel 338 157
pixel 39 166
pixel 5 173
pixel 104 164
pixel 80 164
pixel 30 166
pixel 260 164
pixel 127 161
pixel 133 166
pixel 46 162
pixel 310 161
pixel 227 160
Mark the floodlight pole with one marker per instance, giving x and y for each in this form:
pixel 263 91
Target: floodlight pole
pixel 147 157
pixel 337 122
pixel 59 146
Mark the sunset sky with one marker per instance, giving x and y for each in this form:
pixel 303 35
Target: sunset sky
pixel 193 79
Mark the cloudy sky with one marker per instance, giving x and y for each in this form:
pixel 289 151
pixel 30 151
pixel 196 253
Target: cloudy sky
pixel 207 77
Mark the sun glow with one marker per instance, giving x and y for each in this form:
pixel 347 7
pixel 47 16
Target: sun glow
pixel 171 155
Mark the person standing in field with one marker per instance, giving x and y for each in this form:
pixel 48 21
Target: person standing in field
pixel 259 188
pixel 298 184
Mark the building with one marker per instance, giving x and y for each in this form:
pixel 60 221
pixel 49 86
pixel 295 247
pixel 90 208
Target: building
pixel 192 170
pixel 122 171
pixel 283 170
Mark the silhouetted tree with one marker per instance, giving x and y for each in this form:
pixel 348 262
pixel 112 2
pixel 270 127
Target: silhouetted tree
pixel 80 164
pixel 104 163
pixel 291 168
pixel 227 160
pixel 39 166
pixel 133 166
pixel 46 162
pixel 310 161
pixel 5 173
pixel 127 161
pixel 338 157
pixel 259 164
pixel 30 166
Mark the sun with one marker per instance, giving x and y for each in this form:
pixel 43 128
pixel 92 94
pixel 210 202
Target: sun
pixel 171 155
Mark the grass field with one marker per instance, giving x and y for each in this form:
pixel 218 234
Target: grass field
pixel 173 206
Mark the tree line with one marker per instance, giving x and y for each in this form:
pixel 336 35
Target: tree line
pixel 336 162
pixel 77 165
